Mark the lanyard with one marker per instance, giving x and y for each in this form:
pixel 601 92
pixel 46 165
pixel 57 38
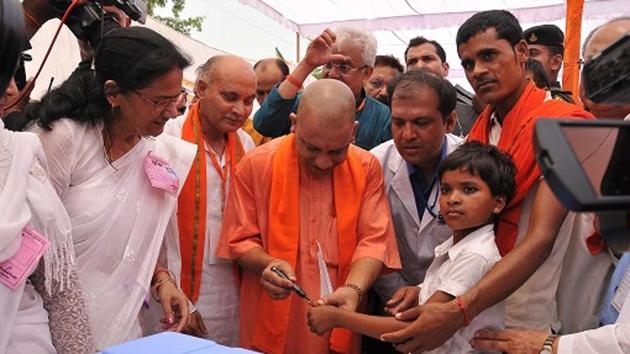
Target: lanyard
pixel 222 172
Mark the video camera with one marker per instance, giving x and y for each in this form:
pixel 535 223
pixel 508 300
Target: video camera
pixel 606 76
pixel 90 22
pixel 587 163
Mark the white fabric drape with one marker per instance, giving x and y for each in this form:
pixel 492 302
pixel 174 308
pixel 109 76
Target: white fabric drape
pixel 27 197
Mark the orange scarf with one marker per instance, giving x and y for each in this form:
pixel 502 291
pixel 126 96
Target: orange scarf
pixel 284 224
pixel 191 205
pixel 517 140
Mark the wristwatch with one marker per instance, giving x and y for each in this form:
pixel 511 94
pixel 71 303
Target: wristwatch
pixel 547 347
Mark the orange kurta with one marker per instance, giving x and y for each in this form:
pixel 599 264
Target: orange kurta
pixel 246 226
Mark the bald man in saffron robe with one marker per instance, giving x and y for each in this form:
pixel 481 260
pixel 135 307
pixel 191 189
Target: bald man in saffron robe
pixel 310 198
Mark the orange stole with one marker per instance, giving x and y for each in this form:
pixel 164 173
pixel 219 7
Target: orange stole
pixel 191 205
pixel 284 217
pixel 517 134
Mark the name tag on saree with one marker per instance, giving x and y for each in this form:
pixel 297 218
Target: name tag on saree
pixel 160 173
pixel 14 271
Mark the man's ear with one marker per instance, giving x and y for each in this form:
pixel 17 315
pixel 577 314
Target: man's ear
pixel 367 72
pixel 354 131
pixel 451 121
pixel 522 51
pixel 111 89
pixel 499 204
pixel 556 62
pixel 200 88
pixel 293 118
pixel 446 68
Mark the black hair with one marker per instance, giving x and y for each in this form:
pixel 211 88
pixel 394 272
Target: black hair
pixel 487 162
pixel 11 40
pixel 418 41
pixel 503 22
pixel 133 57
pixel 412 79
pixel 284 68
pixel 389 60
pixel 539 75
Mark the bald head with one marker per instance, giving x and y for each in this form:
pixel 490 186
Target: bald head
pixel 324 126
pixel 605 35
pixel 598 40
pixel 327 103
pixel 269 72
pixel 224 64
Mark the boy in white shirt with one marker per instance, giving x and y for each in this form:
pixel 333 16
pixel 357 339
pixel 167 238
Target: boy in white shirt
pixel 476 183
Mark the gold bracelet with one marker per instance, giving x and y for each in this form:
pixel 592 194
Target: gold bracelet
pixel 356 288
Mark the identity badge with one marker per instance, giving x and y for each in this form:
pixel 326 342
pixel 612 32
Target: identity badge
pixel 160 173
pixel 14 271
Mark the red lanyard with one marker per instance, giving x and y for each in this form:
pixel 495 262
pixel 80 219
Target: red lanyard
pixel 222 172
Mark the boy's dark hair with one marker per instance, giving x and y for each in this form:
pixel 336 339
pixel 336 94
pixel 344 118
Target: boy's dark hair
pixel 405 85
pixel 487 162
pixel 503 22
pixel 418 41
pixel 389 60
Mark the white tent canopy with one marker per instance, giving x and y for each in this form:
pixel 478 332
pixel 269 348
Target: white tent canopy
pixel 395 22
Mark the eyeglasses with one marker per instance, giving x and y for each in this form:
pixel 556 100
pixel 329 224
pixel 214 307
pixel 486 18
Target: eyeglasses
pixel 342 68
pixel 163 103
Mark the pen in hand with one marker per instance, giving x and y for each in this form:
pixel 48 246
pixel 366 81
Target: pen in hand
pixel 299 291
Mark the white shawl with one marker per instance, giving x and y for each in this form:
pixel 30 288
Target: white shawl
pixel 26 196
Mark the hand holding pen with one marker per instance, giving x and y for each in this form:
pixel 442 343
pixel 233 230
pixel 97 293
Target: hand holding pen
pixel 279 280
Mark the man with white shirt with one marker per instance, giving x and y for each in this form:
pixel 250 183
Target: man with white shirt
pixel 422 118
pixel 226 88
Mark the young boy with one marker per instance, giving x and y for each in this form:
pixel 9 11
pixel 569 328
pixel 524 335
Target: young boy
pixel 476 183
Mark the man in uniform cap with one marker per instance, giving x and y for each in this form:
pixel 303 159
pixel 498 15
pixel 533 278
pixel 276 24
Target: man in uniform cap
pixel 546 44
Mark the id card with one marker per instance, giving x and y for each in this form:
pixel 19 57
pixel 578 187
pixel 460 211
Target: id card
pixel 160 173
pixel 14 271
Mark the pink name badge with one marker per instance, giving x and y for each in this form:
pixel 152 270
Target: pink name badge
pixel 14 271
pixel 160 173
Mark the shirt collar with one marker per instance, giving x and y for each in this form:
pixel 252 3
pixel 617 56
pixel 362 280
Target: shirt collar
pixel 454 250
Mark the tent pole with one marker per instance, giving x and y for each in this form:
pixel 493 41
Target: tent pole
pixel 573 27
pixel 297 47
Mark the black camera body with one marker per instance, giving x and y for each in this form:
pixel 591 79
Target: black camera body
pixel 90 23
pixel 606 76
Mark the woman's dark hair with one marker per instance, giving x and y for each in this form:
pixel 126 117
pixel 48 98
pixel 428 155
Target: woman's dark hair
pixel 132 57
pixel 11 39
pixel 487 162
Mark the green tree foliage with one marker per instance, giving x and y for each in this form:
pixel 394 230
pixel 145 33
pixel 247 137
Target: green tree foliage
pixel 183 25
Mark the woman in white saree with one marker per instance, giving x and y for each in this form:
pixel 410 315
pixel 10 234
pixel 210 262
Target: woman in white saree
pixel 42 306
pixel 118 183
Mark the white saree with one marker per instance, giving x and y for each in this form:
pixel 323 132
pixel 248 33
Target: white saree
pixel 118 220
pixel 27 198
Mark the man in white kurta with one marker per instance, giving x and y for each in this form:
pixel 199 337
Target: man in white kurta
pixel 226 88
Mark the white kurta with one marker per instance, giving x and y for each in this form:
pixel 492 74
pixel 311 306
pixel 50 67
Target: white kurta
pixel 118 219
pixel 27 198
pixel 218 294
